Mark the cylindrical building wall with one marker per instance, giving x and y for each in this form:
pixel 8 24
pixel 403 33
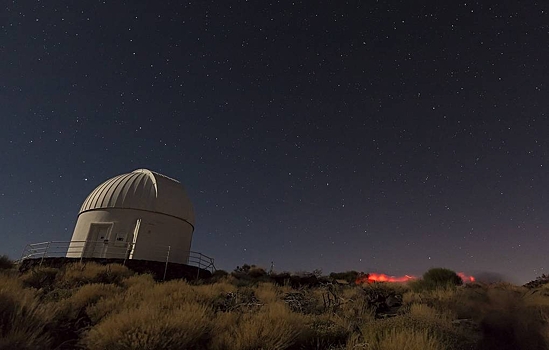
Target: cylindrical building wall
pixel 148 235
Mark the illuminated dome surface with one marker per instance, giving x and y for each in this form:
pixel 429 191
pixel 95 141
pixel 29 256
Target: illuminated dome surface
pixel 142 189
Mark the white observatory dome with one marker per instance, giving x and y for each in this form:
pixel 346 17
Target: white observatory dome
pixel 142 189
pixel 141 215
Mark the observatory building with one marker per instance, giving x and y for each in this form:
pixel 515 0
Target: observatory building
pixel 141 215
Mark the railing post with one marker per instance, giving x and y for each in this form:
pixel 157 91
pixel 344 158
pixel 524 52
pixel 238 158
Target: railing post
pixel 167 259
pixel 199 265
pixel 44 254
pixel 23 254
pixel 82 251
pixel 127 253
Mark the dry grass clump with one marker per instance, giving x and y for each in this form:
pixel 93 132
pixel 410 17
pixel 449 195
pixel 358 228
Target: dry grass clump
pixel 538 298
pixel 267 293
pixel 140 281
pixel 91 293
pixel 326 331
pixel 354 305
pixel 6 263
pixel 140 292
pixel 186 326
pixel 273 327
pixel 439 319
pixel 78 274
pixel 386 288
pixel 438 297
pixel 40 278
pixel 426 326
pixel 399 339
pixel 23 320
pixel 69 315
pixel 512 319
pixel 86 296
pixel 209 293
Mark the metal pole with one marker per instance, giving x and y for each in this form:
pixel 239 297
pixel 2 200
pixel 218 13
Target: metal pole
pixel 199 264
pixel 127 253
pixel 23 254
pixel 167 259
pixel 45 252
pixel 82 251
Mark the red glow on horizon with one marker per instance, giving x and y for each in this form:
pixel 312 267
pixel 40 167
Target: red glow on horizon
pixel 381 277
pixel 466 278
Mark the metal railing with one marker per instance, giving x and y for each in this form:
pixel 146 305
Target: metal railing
pixel 112 250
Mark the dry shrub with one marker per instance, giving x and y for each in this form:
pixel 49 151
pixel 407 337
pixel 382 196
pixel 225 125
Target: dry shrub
pixel 466 302
pixel 267 293
pixel 75 306
pixel 70 317
pixel 399 339
pixel 385 288
pixel 107 306
pixel 140 281
pixel 439 298
pixel 151 327
pixel 538 298
pixel 23 320
pixel 355 305
pixel 168 295
pixel 208 294
pixel 6 263
pixel 40 278
pixel 78 274
pixel 91 293
pixel 257 272
pixel 136 287
pixel 441 320
pixel 327 331
pixel 420 319
pixel 509 320
pixel 273 327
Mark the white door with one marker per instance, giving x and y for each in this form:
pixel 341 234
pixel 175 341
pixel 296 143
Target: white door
pixel 97 242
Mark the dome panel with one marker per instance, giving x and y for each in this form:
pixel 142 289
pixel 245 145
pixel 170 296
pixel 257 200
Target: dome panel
pixel 145 190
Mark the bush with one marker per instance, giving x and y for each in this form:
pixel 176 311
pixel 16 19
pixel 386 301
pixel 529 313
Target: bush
pixel 349 276
pixel 325 332
pixel 437 278
pixel 257 272
pixel 22 318
pixel 70 317
pixel 40 278
pixel 79 274
pixel 5 263
pixel 442 277
pixel 273 327
pixel 152 327
pixel 400 339
pixel 218 275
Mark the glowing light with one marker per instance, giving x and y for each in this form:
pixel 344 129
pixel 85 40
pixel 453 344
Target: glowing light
pixel 381 277
pixel 466 278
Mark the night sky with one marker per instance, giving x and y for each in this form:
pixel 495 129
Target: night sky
pixel 378 136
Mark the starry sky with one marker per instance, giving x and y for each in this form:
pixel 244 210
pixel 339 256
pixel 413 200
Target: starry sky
pixel 386 136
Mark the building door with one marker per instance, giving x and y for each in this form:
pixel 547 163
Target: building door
pixel 98 240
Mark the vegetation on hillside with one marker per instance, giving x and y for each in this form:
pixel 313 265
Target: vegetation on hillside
pixel 91 306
